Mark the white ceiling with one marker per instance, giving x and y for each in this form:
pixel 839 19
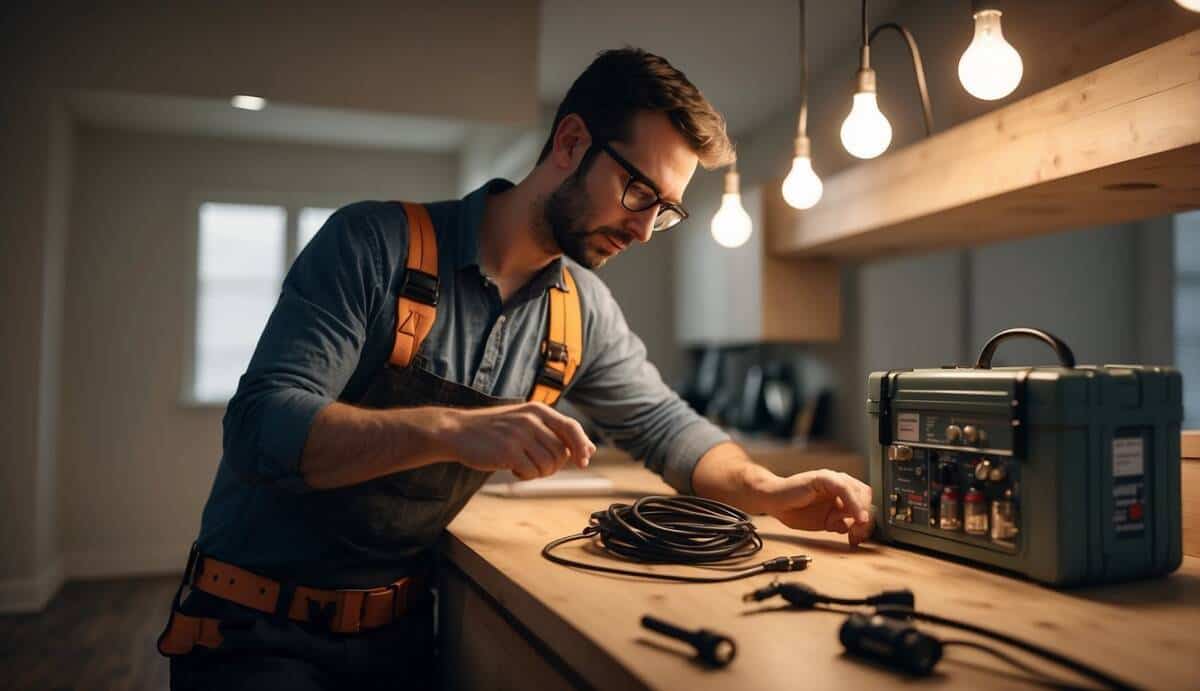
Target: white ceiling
pixel 279 121
pixel 743 56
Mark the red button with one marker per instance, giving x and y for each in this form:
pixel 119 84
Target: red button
pixel 1135 512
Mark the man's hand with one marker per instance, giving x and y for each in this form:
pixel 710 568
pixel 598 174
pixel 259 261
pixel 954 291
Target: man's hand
pixel 821 500
pixel 531 439
pixel 815 500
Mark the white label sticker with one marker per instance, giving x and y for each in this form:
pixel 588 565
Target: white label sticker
pixel 908 427
pixel 1128 457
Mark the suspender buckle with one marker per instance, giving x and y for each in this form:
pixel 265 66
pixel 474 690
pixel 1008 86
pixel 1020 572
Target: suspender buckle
pixel 420 286
pixel 552 378
pixel 554 351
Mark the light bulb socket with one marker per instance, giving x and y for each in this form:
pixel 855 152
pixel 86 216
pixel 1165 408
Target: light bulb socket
pixel 732 182
pixel 803 147
pixel 865 81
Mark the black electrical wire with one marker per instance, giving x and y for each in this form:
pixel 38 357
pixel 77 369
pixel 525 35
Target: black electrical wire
pixel 1061 660
pixel 918 69
pixel 899 604
pixel 675 530
pixel 1036 675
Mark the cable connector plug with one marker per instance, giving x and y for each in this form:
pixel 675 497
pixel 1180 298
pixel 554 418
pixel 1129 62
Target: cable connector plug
pixel 798 595
pixel 785 564
pixel 893 598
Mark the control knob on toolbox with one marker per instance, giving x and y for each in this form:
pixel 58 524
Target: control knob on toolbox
pixel 982 469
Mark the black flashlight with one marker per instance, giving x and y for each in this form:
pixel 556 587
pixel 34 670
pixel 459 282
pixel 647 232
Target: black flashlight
pixel 896 644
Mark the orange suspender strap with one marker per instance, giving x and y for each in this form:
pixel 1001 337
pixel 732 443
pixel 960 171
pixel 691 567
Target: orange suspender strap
pixel 562 350
pixel 416 307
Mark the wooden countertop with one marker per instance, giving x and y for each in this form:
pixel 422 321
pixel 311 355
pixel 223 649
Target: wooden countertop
pixel 1147 633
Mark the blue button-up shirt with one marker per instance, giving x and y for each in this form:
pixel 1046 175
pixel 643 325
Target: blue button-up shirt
pixel 333 329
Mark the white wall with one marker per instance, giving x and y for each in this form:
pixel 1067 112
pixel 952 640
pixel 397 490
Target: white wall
pixel 136 464
pixel 35 143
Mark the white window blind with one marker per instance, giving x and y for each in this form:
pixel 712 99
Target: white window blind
pixel 311 220
pixel 238 277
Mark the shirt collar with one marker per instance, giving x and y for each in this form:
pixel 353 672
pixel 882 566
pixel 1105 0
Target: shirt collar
pixel 469 221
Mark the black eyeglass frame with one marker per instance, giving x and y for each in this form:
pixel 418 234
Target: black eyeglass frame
pixel 636 175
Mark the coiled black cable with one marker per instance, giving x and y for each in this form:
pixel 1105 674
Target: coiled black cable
pixel 675 530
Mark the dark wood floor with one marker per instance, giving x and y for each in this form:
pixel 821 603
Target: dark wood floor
pixel 97 635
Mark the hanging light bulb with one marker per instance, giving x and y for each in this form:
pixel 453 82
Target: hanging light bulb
pixel 731 225
pixel 802 188
pixel 990 68
pixel 866 133
pixel 1193 5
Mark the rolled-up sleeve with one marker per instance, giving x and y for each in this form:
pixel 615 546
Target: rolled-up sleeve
pixel 308 350
pixel 624 394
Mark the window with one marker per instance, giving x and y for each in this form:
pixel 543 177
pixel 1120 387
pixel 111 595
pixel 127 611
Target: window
pixel 244 250
pixel 311 220
pixel 1187 313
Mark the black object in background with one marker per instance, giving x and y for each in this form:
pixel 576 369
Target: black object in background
pixel 704 381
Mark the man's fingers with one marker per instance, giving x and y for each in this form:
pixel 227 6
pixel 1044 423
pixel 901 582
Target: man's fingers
pixel 846 489
pixel 569 431
pixel 518 463
pixel 541 457
pixel 548 442
pixel 859 532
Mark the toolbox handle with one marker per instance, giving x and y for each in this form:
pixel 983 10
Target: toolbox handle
pixel 1065 356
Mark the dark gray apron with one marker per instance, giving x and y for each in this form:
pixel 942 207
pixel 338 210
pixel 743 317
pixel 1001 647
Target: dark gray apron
pixel 391 522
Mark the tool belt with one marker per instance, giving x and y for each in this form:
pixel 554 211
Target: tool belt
pixel 340 611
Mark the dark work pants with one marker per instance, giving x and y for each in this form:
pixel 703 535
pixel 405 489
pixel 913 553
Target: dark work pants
pixel 261 652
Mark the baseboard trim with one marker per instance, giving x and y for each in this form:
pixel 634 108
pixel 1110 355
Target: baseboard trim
pixel 133 560
pixel 30 595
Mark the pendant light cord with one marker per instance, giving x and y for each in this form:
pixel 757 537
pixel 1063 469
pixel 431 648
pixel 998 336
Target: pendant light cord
pixel 918 65
pixel 802 123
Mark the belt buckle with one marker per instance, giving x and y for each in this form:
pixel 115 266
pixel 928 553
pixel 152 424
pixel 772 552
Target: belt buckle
pixel 400 597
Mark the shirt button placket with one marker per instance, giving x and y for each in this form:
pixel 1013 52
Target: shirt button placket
pixel 491 355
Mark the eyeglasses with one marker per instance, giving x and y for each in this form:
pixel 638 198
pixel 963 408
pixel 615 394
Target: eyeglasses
pixel 642 194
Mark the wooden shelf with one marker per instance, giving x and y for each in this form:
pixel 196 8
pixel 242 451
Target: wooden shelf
pixel 1114 145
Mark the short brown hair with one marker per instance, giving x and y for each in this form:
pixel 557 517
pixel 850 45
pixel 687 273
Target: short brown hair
pixel 620 83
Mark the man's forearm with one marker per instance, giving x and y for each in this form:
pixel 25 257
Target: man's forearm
pixel 727 474
pixel 348 445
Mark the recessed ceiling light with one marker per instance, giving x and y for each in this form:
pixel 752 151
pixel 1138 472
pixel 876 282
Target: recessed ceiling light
pixel 248 102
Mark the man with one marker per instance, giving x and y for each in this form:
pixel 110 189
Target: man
pixel 342 463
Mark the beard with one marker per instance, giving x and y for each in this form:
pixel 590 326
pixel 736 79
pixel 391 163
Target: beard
pixel 564 214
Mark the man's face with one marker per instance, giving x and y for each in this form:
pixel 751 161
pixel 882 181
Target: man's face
pixel 585 214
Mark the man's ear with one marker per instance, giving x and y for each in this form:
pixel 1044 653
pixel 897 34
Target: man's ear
pixel 571 141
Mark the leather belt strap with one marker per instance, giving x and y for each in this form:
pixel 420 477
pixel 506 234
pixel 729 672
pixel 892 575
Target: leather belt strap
pixel 416 307
pixel 341 611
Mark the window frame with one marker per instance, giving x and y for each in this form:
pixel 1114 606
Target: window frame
pixel 292 204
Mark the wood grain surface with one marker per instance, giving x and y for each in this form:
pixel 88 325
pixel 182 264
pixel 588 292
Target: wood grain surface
pixel 1146 633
